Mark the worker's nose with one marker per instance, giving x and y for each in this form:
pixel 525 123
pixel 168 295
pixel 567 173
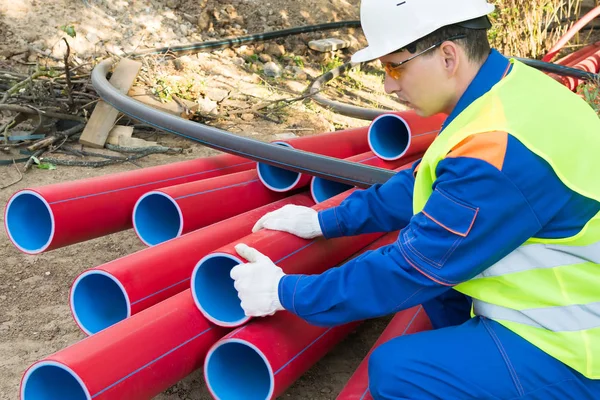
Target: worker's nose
pixel 390 84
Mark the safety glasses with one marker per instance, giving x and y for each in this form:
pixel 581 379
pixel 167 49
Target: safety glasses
pixel 393 69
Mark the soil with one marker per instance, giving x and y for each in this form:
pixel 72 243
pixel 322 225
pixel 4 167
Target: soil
pixel 35 319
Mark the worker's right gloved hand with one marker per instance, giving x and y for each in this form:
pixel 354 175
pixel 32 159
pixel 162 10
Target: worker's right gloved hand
pixel 297 220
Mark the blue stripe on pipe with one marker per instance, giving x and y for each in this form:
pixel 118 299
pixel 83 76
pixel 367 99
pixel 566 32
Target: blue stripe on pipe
pixel 146 184
pixel 151 362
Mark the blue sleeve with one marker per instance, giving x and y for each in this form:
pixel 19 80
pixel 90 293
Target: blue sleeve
pixel 475 216
pixel 380 208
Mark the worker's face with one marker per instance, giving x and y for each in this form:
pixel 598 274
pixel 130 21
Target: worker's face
pixel 424 83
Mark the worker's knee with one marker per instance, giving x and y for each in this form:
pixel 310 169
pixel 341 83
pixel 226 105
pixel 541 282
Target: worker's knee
pixel 388 365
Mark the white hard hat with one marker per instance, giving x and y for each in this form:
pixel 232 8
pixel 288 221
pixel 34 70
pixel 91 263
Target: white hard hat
pixel 390 25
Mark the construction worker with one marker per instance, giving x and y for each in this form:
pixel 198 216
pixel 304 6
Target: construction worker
pixel 499 223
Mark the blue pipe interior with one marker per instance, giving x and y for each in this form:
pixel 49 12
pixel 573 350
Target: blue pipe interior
pixel 236 371
pixel 51 382
pixel 389 136
pixel 29 222
pixel 156 219
pixel 214 290
pixel 324 189
pixel 98 302
pixel 277 178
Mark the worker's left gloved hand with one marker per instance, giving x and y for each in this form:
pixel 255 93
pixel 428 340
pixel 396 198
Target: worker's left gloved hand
pixel 257 282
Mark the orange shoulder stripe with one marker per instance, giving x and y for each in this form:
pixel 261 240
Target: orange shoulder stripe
pixel 487 146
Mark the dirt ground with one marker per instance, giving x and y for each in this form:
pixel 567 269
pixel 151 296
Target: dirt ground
pixel 35 319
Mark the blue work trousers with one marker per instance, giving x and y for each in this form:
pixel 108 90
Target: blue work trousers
pixel 470 358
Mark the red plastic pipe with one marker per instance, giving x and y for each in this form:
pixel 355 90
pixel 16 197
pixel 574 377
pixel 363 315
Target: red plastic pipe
pixel 263 358
pixel 112 292
pixel 136 359
pixel 323 189
pixel 589 64
pixel 169 212
pixel 213 289
pixel 48 217
pixel 404 133
pixel 593 13
pixel 338 144
pixel 404 323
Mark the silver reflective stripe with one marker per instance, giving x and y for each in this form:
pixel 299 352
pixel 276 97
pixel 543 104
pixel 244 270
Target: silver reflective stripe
pixel 538 256
pixel 557 319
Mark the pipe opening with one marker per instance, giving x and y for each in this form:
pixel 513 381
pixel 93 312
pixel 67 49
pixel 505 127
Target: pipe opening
pixel 98 300
pixel 238 370
pixel 275 178
pixel 157 218
pixel 213 290
pixel 49 380
pixel 323 189
pixel 389 136
pixel 29 222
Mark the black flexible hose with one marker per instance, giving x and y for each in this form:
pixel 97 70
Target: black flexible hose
pixel 224 43
pixel 371 113
pixel 331 168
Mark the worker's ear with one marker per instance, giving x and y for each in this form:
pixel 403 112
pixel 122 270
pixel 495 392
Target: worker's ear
pixel 450 53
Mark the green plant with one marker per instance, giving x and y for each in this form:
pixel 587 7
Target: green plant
pixel 333 63
pixel 529 28
pixel 591 93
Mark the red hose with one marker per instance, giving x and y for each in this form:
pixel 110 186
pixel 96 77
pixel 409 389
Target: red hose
pixel 404 323
pixel 213 289
pixel 338 144
pixel 571 32
pixel 263 358
pixel 136 359
pixel 169 212
pixel 48 217
pixel 109 293
pixel 590 64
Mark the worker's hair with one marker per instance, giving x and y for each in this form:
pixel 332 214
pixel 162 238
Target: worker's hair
pixel 475 44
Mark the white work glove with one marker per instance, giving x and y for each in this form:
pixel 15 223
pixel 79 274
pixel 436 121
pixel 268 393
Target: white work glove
pixel 297 220
pixel 257 282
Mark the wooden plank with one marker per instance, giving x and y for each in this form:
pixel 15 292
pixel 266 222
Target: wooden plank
pixel 104 116
pixel 140 94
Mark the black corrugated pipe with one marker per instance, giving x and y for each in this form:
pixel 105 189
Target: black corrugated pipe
pixel 259 37
pixel 279 156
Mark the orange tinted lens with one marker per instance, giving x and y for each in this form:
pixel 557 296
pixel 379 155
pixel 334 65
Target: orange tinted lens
pixel 394 73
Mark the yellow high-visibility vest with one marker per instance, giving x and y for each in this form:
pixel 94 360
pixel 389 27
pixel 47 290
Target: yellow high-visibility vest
pixel 547 290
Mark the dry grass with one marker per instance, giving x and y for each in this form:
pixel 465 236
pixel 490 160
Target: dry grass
pixel 529 28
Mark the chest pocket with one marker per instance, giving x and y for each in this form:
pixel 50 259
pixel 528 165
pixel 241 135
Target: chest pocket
pixel 435 233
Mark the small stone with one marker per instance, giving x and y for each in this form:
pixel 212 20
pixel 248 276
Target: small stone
pixel 299 73
pixel 204 20
pixel 265 58
pixel 229 53
pixel 274 49
pixel 184 30
pixel 271 69
pixel 326 390
pixel 47 273
pixel 215 94
pixel 238 61
pixel 247 117
pixel 207 106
